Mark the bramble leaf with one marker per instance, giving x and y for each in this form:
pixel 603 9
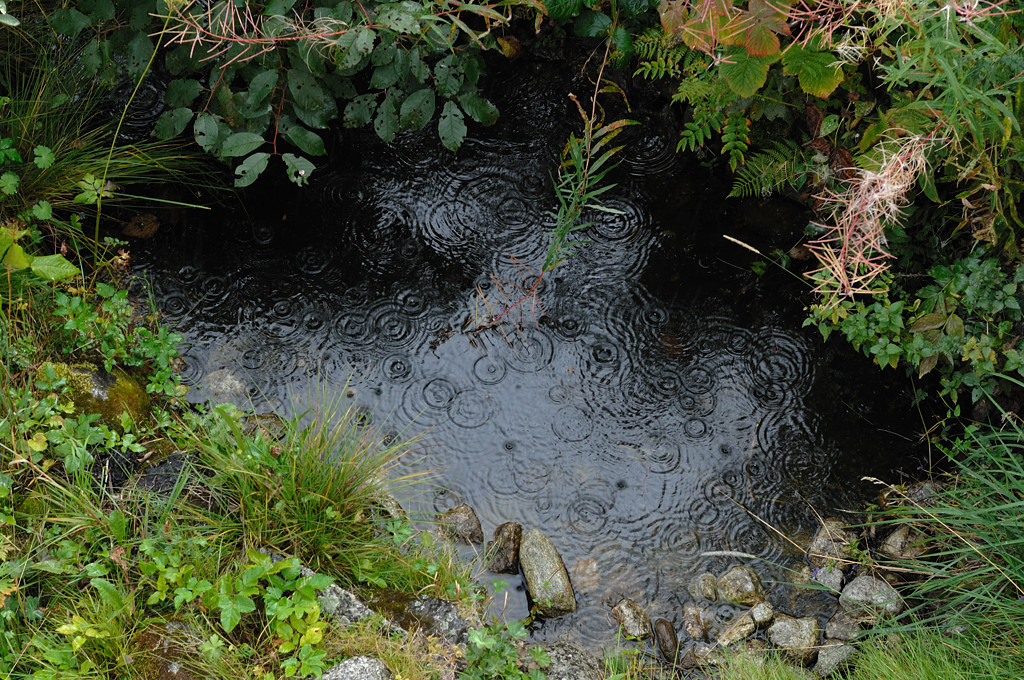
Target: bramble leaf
pixel 251 168
pixel 744 73
pixel 417 109
pixel 241 143
pixel 816 71
pixel 452 126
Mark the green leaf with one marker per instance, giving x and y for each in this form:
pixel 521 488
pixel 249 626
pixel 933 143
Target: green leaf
pixel 743 73
pixel 417 109
pixel 359 111
pixel 399 19
pixel 9 183
pixel 815 70
pixel 478 108
pixel 251 168
pixel 260 88
pixel 108 593
pixel 54 267
pixel 170 124
pixel 97 10
pixel 241 143
pixel 384 76
pixel 42 210
pixel 451 127
pixel 305 89
pixel 43 157
pixel 417 67
pixel 16 258
pixel 69 21
pixel 563 9
pixel 591 24
pixel 634 7
pixel 8 20
pixel 448 76
pixel 182 92
pixel 299 169
pixel 138 52
pixel 277 7
pixel 386 122
pixel 206 131
pixel 354 46
pixel 309 142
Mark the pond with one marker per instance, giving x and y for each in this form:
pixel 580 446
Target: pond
pixel 649 402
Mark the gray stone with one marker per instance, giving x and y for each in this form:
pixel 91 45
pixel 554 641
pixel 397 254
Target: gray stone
pixel 665 636
pixel 741 585
pixel 868 597
pixel 762 613
pixel 797 638
pixel 902 544
pixel 444 619
pixel 832 657
pixel 342 606
pixel 504 549
pixel 546 578
pixel 741 628
pixel 358 668
pixel 831 577
pixel 831 545
pixel 842 626
pixel 461 524
pixel 569 661
pixel 694 622
pixel 632 618
pixel 224 385
pixel 704 587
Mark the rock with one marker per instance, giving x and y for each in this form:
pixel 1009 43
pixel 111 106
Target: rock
pixel 358 668
pixel 93 390
pixel 545 575
pixel 224 385
pixel 762 613
pixel 741 585
pixel 797 638
pixel 444 619
pixel 569 661
pixel 704 587
pixel 694 623
pixel 831 577
pixel 665 636
pixel 831 545
pixel 461 524
pixel 342 606
pixel 743 627
pixel 832 656
pixel 842 626
pixel 902 544
pixel 868 597
pixel 270 426
pixel 504 549
pixel 632 618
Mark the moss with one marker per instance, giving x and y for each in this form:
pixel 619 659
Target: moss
pixel 93 390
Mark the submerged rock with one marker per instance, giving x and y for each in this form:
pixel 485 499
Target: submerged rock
pixel 797 638
pixel 461 524
pixel 704 587
pixel 741 628
pixel 546 578
pixel 869 597
pixel 665 636
pixel 694 623
pixel 504 549
pixel 741 585
pixel 830 547
pixel 832 657
pixel 632 618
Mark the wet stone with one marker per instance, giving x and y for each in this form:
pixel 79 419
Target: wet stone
pixel 569 661
pixel 694 622
pixel 832 657
pixel 632 618
pixel 665 636
pixel 741 585
pixel 868 597
pixel 762 613
pixel 831 545
pixel 342 606
pixel 831 577
pixel 902 544
pixel 504 549
pixel 546 578
pixel 461 524
pixel 842 626
pixel 704 587
pixel 743 627
pixel 797 638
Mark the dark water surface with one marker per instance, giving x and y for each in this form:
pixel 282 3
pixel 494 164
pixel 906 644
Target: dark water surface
pixel 641 409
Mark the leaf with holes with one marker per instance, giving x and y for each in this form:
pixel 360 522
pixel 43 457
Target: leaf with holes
pixel 182 92
pixel 69 21
pixel 137 55
pixel 359 111
pixel 309 142
pixel 448 76
pixel 298 168
pixel 171 123
pixel 241 143
pixel 451 127
pixel 260 88
pixel 386 122
pixel 354 46
pixel 206 131
pixel 417 109
pixel 250 169
pixel 305 89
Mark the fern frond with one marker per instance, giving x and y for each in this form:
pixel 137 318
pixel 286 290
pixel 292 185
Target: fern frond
pixel 768 170
pixel 659 55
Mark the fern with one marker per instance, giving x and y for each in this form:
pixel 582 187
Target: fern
pixel 706 119
pixel 768 170
pixel 736 137
pixel 660 56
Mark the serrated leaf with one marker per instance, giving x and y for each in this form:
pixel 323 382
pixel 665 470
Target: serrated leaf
pixel 277 7
pixel 298 168
pixel 744 73
pixel 451 127
pixel 42 210
pixel 251 168
pixel 591 24
pixel 418 69
pixel 354 46
pixel 815 70
pixel 318 118
pixel 305 89
pixel 417 109
pixel 563 9
pixel 206 131
pixel 240 144
pixel 108 593
pixel 9 183
pixel 309 142
pixel 260 88
pixel 399 19
pixel 170 124
pixel 43 157
pixel 634 7
pixel 386 122
pixel 359 111
pixel 384 76
pixel 137 54
pixel 478 108
pixel 448 76
pixel 69 21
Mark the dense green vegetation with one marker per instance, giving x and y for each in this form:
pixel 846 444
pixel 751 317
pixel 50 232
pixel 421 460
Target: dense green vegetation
pixel 896 123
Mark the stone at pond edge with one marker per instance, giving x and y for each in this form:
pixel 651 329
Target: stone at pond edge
pixel 842 626
pixel 358 668
pixel 797 638
pixel 831 545
pixel 93 390
pixel 546 578
pixel 741 585
pixel 632 618
pixel 902 544
pixel 743 627
pixel 569 661
pixel 704 587
pixel 762 613
pixel 461 523
pixel 832 656
pixel 665 636
pixel 868 597
pixel 694 623
pixel 504 549
pixel 831 577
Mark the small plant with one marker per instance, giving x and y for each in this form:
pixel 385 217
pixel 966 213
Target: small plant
pixel 493 654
